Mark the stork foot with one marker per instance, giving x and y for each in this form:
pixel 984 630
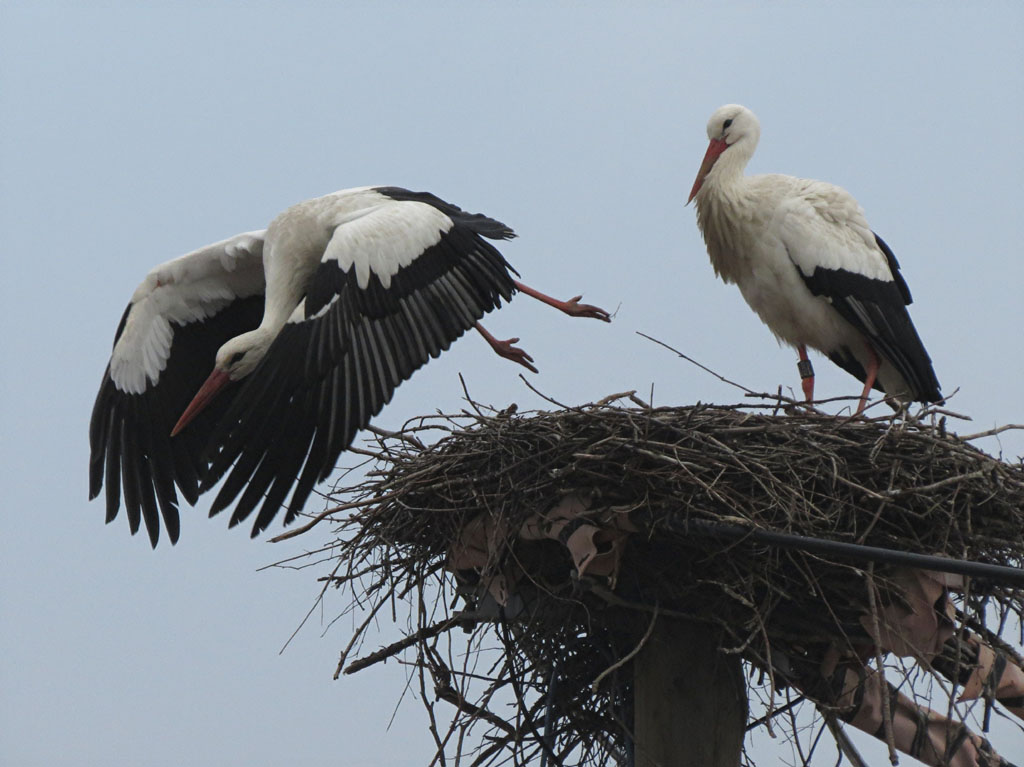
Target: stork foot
pixel 572 307
pixel 507 350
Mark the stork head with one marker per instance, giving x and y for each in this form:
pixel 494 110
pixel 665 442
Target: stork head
pixel 240 356
pixel 732 127
pixel 235 360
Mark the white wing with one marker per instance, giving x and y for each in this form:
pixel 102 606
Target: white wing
pixel 823 227
pixel 184 290
pixel 179 316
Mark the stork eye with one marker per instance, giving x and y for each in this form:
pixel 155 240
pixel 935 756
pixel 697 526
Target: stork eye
pixel 727 123
pixel 236 358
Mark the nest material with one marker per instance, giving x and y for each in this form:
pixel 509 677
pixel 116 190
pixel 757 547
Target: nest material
pixel 899 484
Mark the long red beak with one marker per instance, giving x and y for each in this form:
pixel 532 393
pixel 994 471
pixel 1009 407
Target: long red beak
pixel 715 148
pixel 217 381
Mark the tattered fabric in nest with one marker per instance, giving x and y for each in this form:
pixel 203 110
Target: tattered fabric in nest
pixel 565 531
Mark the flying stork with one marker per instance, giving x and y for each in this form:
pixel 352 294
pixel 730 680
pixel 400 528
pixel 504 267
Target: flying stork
pixel 308 327
pixel 805 259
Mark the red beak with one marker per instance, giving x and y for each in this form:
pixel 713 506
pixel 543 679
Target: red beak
pixel 715 148
pixel 217 381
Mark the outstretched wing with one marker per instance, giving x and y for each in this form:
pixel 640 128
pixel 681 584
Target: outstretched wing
pixel 164 348
pixel 395 287
pixel 843 261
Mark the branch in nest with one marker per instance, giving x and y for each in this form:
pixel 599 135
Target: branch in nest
pixel 416 637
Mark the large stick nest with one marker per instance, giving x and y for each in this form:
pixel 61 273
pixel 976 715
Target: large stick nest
pixel 899 483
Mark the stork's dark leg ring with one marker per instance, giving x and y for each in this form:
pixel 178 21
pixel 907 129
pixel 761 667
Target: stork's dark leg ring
pixel 805 368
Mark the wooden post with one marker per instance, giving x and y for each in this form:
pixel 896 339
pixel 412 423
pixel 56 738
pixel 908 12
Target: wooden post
pixel 690 702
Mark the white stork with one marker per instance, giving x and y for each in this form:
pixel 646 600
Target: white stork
pixel 308 327
pixel 807 262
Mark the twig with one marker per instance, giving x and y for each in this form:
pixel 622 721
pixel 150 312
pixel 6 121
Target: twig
pixel 706 369
pixel 936 485
pixel 469 399
pixel 843 742
pixel 776 712
pixel 417 636
pixel 991 432
pixel 451 695
pixel 632 653
pixel 605 401
pixel 356 635
pixel 399 435
pixel 876 638
pixel 541 394
pixel 324 514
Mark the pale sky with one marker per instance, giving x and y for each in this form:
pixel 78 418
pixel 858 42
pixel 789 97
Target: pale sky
pixel 131 133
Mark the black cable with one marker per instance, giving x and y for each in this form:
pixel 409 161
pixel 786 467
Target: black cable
pixel 723 530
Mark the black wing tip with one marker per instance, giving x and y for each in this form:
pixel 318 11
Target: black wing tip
pixel 151 533
pixel 478 222
pixel 894 269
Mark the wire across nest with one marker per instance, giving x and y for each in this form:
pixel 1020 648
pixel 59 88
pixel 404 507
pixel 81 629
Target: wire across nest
pixel 564 533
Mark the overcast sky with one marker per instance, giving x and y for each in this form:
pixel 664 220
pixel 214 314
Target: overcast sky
pixel 131 133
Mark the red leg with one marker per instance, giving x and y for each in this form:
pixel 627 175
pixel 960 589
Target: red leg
pixel 869 380
pixel 806 373
pixel 572 307
pixel 506 349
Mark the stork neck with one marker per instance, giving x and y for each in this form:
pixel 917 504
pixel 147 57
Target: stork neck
pixel 288 272
pixel 726 177
pixel 723 208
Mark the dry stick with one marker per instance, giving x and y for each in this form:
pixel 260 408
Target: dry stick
pixel 709 370
pixel 543 396
pixel 432 726
pixel 961 642
pixel 936 485
pixel 622 661
pixel 520 700
pixel 357 634
pixel 771 670
pixel 876 637
pixel 776 712
pixel 333 510
pixel 316 602
pixel 395 647
pixel 605 401
pixel 451 695
pixel 843 742
pixel 399 435
pixel 993 432
pixel 469 399
pixel 989 636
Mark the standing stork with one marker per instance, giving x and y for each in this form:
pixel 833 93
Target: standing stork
pixel 308 326
pixel 807 262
